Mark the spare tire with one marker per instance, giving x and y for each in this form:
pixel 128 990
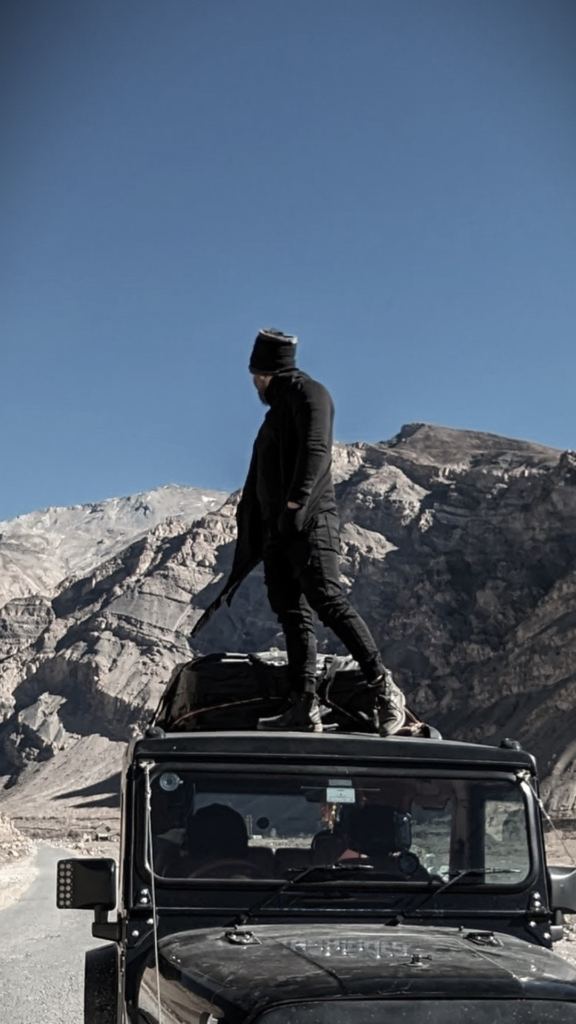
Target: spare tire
pixel 101 985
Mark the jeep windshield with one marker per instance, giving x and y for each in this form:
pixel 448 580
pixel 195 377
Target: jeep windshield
pixel 405 829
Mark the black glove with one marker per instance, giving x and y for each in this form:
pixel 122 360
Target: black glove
pixel 291 522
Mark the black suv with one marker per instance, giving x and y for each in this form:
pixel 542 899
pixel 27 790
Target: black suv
pixel 325 879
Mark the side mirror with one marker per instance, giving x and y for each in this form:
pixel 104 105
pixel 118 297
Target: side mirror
pixel 87 883
pixel 563 889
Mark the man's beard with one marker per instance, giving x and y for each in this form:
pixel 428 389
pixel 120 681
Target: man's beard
pixel 262 394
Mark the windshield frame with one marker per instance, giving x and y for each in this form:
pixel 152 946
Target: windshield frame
pixel 340 880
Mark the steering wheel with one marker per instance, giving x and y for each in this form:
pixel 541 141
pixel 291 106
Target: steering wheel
pixel 227 868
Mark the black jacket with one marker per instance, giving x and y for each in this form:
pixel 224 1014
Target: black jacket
pixel 292 455
pixel 291 461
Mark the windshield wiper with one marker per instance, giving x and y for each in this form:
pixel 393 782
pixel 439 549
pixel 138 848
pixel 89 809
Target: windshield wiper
pixel 399 918
pixel 246 915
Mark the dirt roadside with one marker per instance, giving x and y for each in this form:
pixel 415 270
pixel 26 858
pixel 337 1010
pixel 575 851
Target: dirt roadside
pixel 17 867
pixel 15 879
pixel 18 851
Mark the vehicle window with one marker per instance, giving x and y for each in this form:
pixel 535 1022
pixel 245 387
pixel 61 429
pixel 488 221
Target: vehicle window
pixel 431 831
pixel 271 826
pixel 505 835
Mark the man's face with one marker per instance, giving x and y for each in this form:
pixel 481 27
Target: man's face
pixel 261 382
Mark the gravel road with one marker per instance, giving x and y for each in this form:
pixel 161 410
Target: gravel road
pixel 42 964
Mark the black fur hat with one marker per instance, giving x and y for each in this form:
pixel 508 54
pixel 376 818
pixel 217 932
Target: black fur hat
pixel 273 351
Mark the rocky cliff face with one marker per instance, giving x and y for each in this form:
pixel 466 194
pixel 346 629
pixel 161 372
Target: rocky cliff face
pixel 458 548
pixel 39 550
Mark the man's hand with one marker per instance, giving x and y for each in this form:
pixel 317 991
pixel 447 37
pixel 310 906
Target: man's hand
pixel 291 520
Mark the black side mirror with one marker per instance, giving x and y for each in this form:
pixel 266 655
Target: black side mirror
pixel 87 883
pixel 563 889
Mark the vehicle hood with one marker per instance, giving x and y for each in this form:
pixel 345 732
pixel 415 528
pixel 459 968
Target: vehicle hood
pixel 255 968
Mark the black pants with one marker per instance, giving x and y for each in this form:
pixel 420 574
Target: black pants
pixel 302 576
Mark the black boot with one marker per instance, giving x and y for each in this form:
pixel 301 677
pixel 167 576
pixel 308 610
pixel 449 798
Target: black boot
pixel 380 706
pixel 303 714
pixel 388 708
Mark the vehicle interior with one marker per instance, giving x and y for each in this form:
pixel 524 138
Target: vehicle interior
pixel 404 828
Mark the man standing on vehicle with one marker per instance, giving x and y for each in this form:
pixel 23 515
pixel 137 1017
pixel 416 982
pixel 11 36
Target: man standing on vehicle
pixel 288 518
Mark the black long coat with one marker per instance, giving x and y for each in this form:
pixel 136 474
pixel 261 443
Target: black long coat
pixel 291 461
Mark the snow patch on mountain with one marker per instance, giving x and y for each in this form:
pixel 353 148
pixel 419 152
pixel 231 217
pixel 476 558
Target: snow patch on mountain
pixel 41 549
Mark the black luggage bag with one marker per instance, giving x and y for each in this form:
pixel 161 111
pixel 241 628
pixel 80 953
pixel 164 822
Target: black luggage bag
pixel 223 691
pixel 233 691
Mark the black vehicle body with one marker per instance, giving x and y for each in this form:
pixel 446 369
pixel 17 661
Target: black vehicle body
pixel 469 940
pixel 413 973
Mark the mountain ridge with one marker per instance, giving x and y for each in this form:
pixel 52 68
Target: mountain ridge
pixel 57 537
pixel 457 548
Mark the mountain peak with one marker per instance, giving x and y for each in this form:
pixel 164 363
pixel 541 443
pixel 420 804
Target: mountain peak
pixel 39 550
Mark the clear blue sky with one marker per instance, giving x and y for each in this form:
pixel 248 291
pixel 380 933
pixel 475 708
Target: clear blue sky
pixel 392 180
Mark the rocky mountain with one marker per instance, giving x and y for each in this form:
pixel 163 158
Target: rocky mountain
pixel 39 550
pixel 458 548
